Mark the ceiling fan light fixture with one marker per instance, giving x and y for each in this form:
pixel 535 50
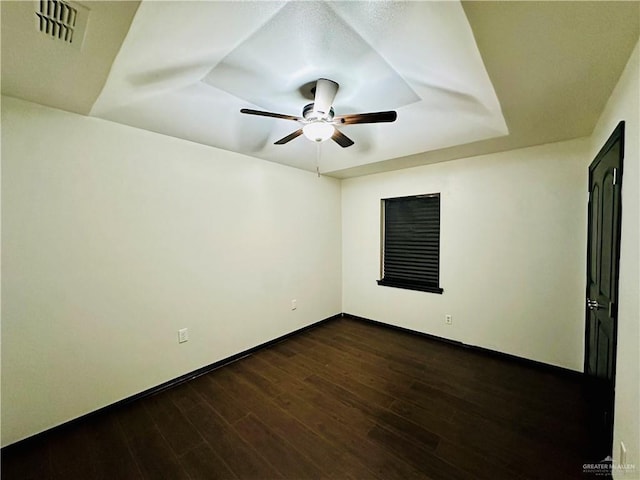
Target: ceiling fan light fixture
pixel 318 131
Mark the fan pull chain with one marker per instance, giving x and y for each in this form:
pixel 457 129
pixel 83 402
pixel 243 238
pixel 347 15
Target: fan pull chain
pixel 318 159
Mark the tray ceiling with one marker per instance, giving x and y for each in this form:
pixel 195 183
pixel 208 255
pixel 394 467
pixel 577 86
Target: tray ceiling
pixel 465 79
pixel 418 58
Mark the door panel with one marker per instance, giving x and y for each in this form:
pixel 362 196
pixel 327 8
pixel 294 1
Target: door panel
pixel 606 247
pixel 595 232
pixel 603 258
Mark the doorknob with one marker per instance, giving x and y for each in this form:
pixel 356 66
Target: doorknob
pixel 594 305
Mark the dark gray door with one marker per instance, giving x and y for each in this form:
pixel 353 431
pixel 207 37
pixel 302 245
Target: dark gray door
pixel 603 258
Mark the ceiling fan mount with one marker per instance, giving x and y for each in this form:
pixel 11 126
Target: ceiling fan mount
pixel 318 119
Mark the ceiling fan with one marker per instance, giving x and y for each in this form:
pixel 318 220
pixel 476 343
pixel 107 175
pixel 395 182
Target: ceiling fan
pixel 318 119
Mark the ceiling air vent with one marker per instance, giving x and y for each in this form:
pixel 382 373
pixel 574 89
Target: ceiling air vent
pixel 60 20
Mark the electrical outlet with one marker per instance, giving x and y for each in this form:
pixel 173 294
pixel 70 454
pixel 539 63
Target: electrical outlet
pixel 294 304
pixel 448 320
pixel 183 335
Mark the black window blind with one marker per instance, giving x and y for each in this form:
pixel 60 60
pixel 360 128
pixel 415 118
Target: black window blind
pixel 411 243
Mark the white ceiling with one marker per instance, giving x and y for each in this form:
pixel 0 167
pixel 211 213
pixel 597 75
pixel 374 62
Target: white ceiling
pixel 465 79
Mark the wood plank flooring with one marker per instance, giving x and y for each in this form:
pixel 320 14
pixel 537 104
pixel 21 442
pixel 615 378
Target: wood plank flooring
pixel 344 400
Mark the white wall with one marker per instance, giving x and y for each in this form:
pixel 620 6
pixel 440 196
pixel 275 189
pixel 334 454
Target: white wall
pixel 624 104
pixel 513 249
pixel 114 238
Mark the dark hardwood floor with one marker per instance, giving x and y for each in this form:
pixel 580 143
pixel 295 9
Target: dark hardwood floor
pixel 344 400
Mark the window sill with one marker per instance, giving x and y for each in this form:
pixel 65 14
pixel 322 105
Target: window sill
pixel 410 286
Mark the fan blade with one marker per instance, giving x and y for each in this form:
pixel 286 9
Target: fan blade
pixel 374 117
pixel 270 114
pixel 325 94
pixel 289 137
pixel 341 139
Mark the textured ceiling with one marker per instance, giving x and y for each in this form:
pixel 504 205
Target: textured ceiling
pixel 465 79
pixel 384 55
pixel 39 69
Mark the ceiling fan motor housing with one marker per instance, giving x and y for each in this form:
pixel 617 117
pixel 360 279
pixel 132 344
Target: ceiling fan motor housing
pixel 309 114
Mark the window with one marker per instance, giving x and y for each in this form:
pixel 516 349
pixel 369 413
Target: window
pixel 411 243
